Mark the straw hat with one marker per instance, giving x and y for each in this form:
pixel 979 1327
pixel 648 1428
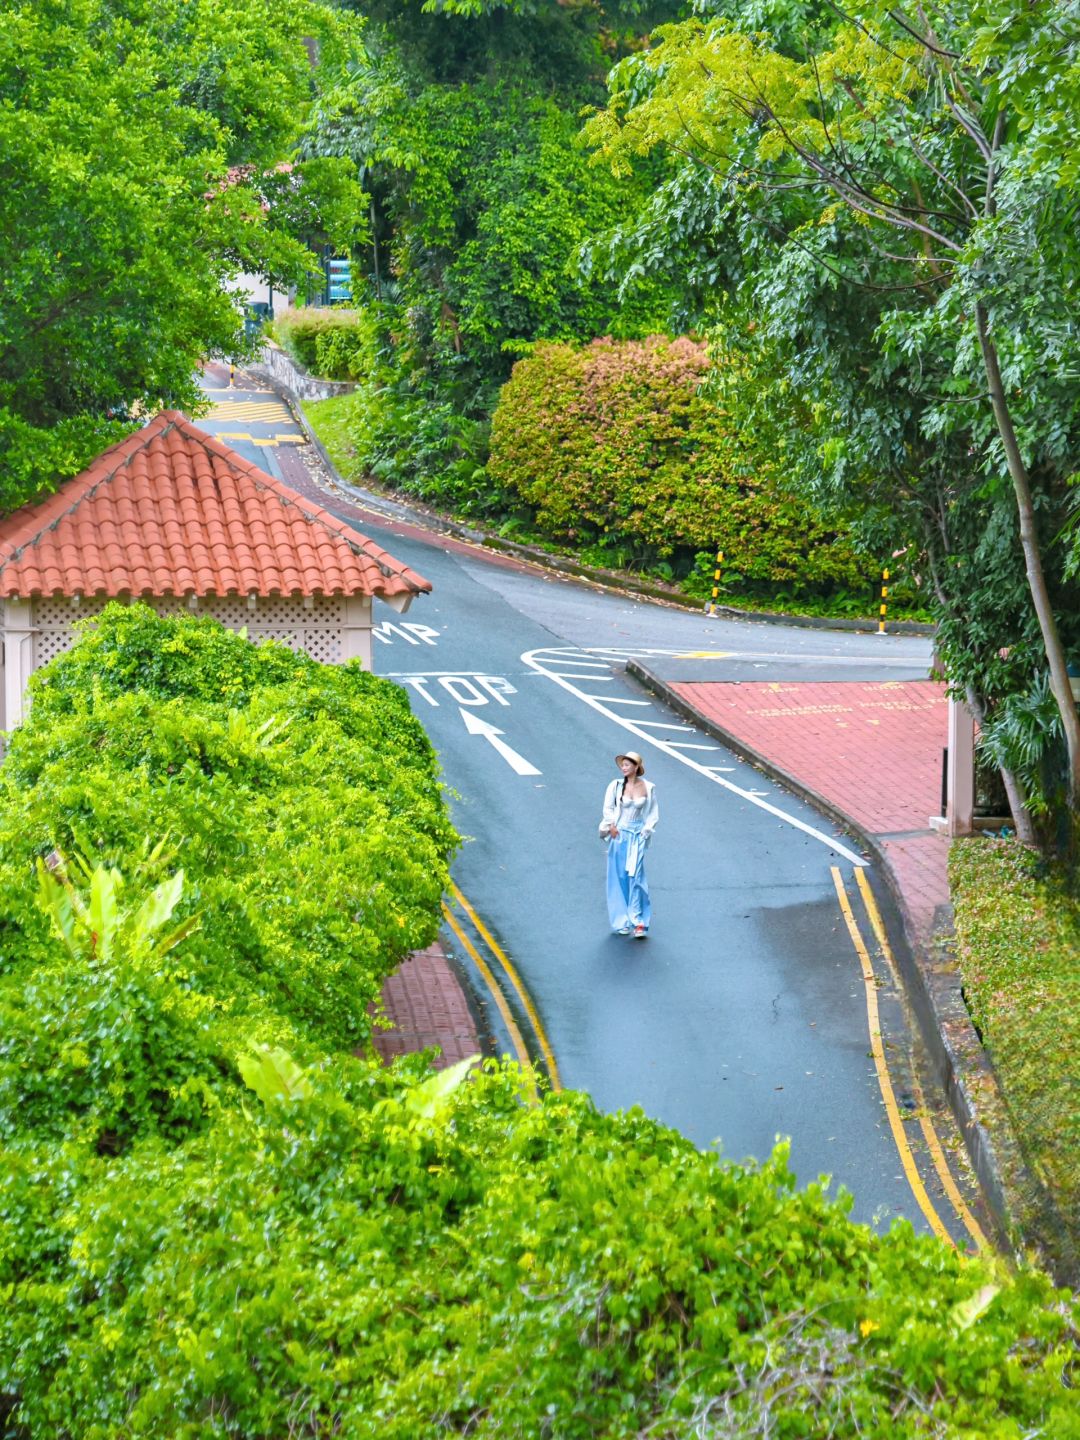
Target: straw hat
pixel 635 757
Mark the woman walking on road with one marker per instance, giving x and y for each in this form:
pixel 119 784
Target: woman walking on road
pixel 630 816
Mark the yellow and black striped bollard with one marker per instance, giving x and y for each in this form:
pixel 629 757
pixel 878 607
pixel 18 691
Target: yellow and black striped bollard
pixel 884 602
pixel 710 608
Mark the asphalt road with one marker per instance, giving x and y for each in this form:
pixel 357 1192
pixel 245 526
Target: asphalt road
pixel 744 1016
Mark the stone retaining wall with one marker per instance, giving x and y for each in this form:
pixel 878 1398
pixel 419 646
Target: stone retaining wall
pixel 279 366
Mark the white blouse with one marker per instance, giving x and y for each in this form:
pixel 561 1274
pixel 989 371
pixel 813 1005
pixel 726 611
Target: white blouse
pixel 618 812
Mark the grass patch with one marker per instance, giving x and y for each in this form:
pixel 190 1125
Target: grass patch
pixel 1018 934
pixel 333 421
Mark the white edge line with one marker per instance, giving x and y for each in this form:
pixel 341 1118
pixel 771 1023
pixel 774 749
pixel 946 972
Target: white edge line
pixel 826 840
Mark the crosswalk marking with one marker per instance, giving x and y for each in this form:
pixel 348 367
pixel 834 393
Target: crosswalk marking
pixel 267 440
pixel 248 410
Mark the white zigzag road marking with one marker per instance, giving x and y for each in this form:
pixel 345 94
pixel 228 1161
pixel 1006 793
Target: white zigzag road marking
pixel 536 661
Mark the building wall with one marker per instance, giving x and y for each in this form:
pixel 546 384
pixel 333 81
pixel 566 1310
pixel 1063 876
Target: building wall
pixel 331 629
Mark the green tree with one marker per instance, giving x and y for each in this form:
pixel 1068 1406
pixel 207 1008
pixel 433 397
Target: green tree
pixel 463 121
pixel 143 151
pixel 924 163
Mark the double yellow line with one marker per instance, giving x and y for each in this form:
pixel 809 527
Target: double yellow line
pixel 521 1049
pixel 877 1050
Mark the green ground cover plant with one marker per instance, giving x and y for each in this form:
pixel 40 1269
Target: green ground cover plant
pixel 1018 941
pixel 333 422
pixel 370 1253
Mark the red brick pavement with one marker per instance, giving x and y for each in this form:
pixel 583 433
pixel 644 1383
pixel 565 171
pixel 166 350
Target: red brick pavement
pixel 427 1006
pixel 873 751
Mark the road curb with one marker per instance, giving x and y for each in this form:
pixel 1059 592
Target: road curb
pixel 932 984
pixel 436 521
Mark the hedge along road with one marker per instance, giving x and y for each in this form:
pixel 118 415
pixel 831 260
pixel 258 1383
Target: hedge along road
pixel 748 1013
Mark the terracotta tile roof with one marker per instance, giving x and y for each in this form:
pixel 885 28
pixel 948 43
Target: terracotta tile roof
pixel 171 511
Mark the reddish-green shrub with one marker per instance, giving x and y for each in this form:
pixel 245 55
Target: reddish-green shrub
pixel 616 443
pixel 323 340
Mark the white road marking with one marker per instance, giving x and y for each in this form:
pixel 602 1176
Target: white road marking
pixel 614 700
pixel 475 726
pixel 531 659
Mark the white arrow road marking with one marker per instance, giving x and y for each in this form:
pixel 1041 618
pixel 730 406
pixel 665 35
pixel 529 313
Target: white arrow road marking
pixel 534 658
pixel 475 726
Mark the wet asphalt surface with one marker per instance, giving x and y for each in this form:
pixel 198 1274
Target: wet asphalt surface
pixel 742 1017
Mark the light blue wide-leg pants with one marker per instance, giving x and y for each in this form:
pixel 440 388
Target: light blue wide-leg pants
pixel 627 887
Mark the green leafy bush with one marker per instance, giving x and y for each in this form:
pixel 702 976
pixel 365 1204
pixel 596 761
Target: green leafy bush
pixel 1018 942
pixel 324 340
pixel 301 801
pixel 368 1254
pixel 615 444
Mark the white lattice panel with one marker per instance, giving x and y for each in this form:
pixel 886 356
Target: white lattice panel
pixel 281 617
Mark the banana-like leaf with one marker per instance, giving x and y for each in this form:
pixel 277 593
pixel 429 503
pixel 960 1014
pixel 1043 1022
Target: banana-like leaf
pixel 158 907
pixel 105 885
pixel 432 1094
pixel 274 1075
pixel 56 900
pixel 968 1311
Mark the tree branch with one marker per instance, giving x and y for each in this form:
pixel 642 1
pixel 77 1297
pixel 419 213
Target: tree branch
pixel 924 41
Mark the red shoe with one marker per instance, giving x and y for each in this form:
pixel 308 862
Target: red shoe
pixel 640 933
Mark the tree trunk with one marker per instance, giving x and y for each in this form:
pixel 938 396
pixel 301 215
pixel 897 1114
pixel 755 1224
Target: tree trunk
pixel 1029 540
pixel 1014 786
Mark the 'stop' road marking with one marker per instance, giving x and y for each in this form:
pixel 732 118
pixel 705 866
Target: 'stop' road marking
pixel 540 666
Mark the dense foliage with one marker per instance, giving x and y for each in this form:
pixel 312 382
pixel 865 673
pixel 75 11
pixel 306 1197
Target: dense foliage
pixel 142 159
pixel 615 448
pixel 1018 943
pixel 300 801
pixel 324 339
pixel 879 209
pixel 463 121
pixel 362 1255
